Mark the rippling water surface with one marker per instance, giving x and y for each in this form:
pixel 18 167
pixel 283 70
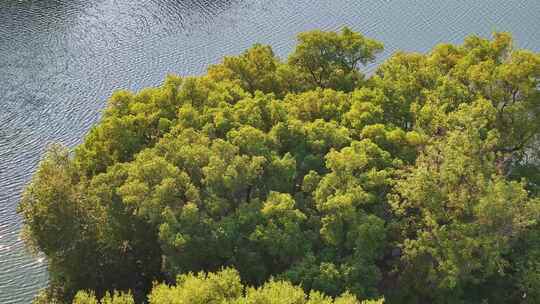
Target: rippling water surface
pixel 60 59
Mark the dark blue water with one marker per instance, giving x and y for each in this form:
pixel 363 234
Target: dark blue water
pixel 60 59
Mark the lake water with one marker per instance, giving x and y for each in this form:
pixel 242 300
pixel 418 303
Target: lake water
pixel 61 59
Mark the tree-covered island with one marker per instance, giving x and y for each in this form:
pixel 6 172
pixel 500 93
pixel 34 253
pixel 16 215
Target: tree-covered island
pixel 303 181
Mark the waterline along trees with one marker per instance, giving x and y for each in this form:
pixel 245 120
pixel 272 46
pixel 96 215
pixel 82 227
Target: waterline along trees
pixel 304 181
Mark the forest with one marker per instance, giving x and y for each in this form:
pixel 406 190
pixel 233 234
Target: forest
pixel 304 181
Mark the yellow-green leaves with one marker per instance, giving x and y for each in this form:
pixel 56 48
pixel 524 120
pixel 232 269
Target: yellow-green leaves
pixel 281 232
pixel 330 59
pixel 201 288
pixel 224 287
pixel 83 297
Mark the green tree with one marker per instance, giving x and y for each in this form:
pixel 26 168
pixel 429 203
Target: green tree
pixel 225 287
pixel 330 59
pixel 419 183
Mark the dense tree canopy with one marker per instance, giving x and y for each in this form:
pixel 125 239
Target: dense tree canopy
pixel 419 183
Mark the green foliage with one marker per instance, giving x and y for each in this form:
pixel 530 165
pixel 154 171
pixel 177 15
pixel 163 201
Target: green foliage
pixel 225 287
pixel 83 297
pixel 419 183
pixel 330 59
